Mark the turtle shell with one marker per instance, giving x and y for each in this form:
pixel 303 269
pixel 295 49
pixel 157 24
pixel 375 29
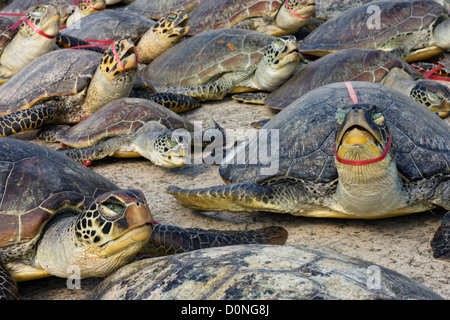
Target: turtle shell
pixel 345 65
pixel 110 25
pixel 350 29
pixel 156 9
pixel 212 14
pixel 327 9
pixel 306 130
pixel 256 272
pixel 205 57
pixel 35 182
pixel 123 116
pixel 54 74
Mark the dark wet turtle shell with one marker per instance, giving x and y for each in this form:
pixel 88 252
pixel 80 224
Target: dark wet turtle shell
pixel 156 9
pixel 33 188
pixel 345 65
pixel 57 73
pixel 205 57
pixel 349 29
pixel 257 272
pixel 110 25
pixel 307 126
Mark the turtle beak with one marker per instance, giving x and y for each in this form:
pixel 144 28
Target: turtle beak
pixel 180 24
pixel 127 55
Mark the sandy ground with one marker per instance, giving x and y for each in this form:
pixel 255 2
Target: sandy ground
pixel 401 244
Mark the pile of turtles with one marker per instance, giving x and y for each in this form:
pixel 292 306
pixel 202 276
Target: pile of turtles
pixel 360 128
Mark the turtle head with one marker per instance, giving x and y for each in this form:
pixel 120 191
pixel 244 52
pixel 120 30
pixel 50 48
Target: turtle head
pixel 84 8
pixel 433 95
pixel 118 58
pixel 294 14
pixel 44 20
pixel 362 139
pixel 279 62
pixel 166 32
pixel 169 150
pixel 115 76
pixel 112 230
pixel 441 32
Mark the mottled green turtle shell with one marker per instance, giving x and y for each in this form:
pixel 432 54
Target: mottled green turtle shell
pixel 350 29
pixel 257 272
pixel 205 57
pixel 54 74
pixel 110 25
pixel 123 116
pixel 156 9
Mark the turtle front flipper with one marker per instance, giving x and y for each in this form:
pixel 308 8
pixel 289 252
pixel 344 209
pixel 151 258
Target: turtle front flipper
pixel 211 91
pixel 242 197
pixel 27 119
pixel 8 287
pixel 168 239
pixel 250 97
pixel 65 41
pixel 97 151
pixel 175 102
pixel 440 244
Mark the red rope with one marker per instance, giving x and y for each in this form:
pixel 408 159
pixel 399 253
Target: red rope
pixel 354 98
pixel 36 29
pixel 295 13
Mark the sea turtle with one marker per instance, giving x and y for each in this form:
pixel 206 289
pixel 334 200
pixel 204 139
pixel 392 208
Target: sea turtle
pixel 35 37
pixel 64 86
pixel 424 23
pixel 151 38
pixel 215 63
pixel 129 127
pixel 259 272
pixel 58 216
pixel 440 244
pixel 156 9
pixel 277 18
pixel 357 64
pixel 344 150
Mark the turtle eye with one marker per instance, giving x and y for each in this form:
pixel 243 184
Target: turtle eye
pixel 112 207
pixel 278 44
pixel 171 16
pixel 378 118
pixel 433 96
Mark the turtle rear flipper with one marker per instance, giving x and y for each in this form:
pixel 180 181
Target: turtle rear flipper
pixel 168 239
pixel 440 244
pixel 27 119
pixel 8 287
pixel 240 197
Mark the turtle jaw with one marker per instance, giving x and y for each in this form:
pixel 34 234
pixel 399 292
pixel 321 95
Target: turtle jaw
pixel 361 136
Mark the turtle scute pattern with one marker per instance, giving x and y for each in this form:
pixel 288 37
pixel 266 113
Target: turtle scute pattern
pixel 257 272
